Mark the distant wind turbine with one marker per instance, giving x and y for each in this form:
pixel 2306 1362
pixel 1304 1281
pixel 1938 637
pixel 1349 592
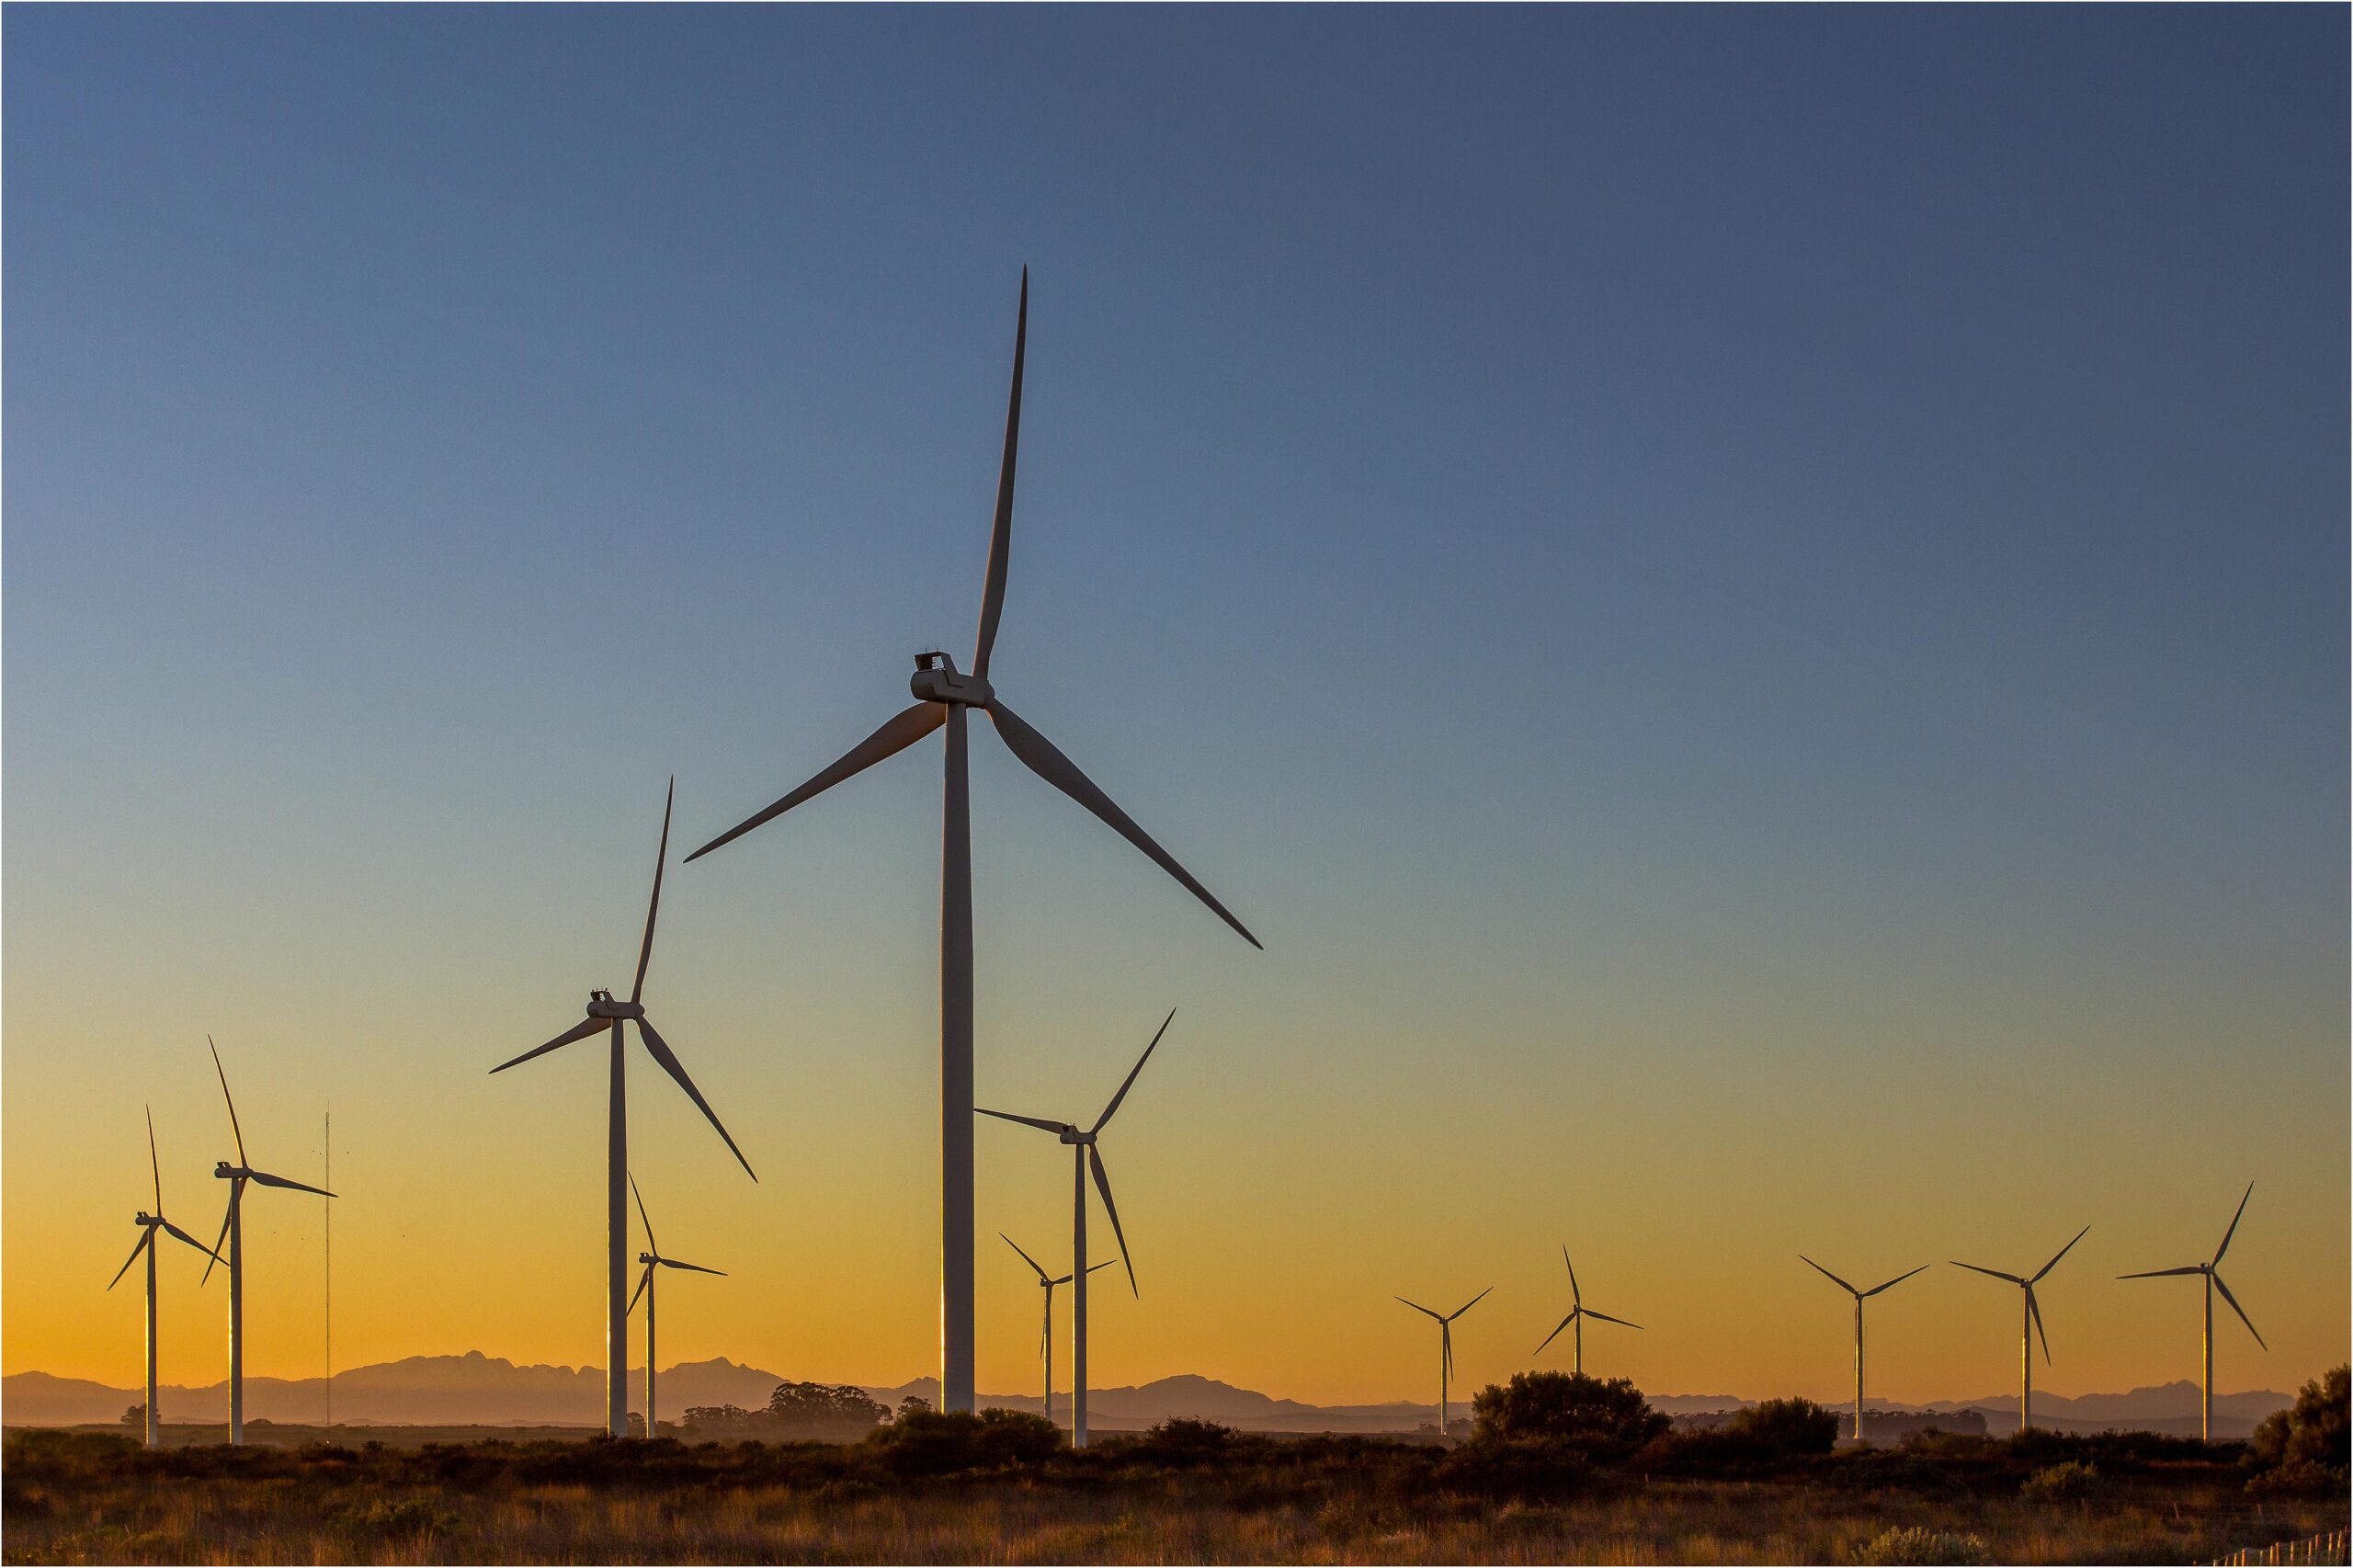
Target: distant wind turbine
pixel 232 1228
pixel 2029 1318
pixel 1578 1313
pixel 148 1225
pixel 1086 1155
pixel 653 1260
pixel 1859 1297
pixel 1046 1333
pixel 2213 1272
pixel 1446 1347
pixel 606 1017
pixel 943 696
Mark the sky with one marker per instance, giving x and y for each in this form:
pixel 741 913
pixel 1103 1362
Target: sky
pixel 1752 603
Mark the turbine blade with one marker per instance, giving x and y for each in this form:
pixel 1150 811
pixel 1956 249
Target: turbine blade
pixel 2059 1253
pixel 580 1031
pixel 1468 1305
pixel 234 1129
pixel 2234 1226
pixel 1605 1317
pixel 145 1237
pixel 1554 1335
pixel 1446 1347
pixel 1419 1308
pixel 1103 1186
pixel 650 1244
pixel 691 1267
pixel 180 1234
pixel 645 1279
pixel 2161 1273
pixel 661 858
pixel 1897 1280
pixel 1832 1277
pixel 2225 1289
pixel 1001 531
pixel 228 1213
pixel 1093 1267
pixel 1104 1120
pixel 660 1051
pixel 154 1168
pixel 1025 1256
pixel 1039 755
pixel 1055 1127
pixel 1995 1272
pixel 1576 1297
pixel 2034 1311
pixel 897 734
pixel 268 1180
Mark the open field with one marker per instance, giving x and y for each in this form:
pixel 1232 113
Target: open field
pixel 86 1499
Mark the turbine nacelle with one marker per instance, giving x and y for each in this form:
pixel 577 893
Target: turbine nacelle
pixel 1075 1139
pixel 936 680
pixel 602 1005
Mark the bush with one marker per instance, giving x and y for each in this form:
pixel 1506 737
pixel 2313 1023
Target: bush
pixel 1912 1544
pixel 1529 1469
pixel 1181 1443
pixel 1784 1427
pixel 2298 1478
pixel 2314 1430
pixel 2061 1483
pixel 932 1442
pixel 1610 1416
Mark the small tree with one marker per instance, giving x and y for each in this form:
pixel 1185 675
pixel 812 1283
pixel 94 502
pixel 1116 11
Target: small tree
pixel 828 1410
pixel 2314 1430
pixel 1567 1404
pixel 915 1403
pixel 135 1417
pixel 1788 1426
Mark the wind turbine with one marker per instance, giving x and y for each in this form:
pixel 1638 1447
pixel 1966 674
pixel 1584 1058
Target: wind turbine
pixel 1446 1347
pixel 1085 1154
pixel 943 696
pixel 1578 1313
pixel 233 1227
pixel 2029 1317
pixel 1046 1334
pixel 651 1257
pixel 148 1225
pixel 606 1017
pixel 2212 1271
pixel 1859 1297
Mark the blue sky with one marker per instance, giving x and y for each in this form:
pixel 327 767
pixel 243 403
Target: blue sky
pixel 1782 563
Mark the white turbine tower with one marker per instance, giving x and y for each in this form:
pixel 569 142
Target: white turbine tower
pixel 1859 1297
pixel 232 1229
pixel 606 1017
pixel 943 698
pixel 148 1225
pixel 1445 1347
pixel 2213 1272
pixel 1578 1313
pixel 1085 1156
pixel 1046 1333
pixel 2029 1324
pixel 653 1260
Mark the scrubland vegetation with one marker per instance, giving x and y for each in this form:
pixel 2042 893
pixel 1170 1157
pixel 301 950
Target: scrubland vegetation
pixel 1561 1470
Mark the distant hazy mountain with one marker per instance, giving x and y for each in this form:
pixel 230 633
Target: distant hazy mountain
pixel 478 1390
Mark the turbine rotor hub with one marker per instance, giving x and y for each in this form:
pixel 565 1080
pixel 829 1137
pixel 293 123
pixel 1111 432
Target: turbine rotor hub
pixel 1073 1136
pixel 602 1005
pixel 936 680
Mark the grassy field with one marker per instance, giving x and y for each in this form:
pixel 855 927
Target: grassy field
pixel 98 1499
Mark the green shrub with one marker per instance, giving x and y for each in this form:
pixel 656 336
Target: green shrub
pixel 2314 1430
pixel 1610 1418
pixel 1911 1544
pixel 941 1442
pixel 2061 1483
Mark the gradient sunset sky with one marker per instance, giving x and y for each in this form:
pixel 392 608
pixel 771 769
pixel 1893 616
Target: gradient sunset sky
pixel 1753 603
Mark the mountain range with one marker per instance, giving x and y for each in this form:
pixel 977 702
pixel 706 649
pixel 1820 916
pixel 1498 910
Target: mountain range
pixel 478 1390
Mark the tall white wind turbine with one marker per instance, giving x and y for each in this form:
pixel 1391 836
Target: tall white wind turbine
pixel 1046 1333
pixel 653 1260
pixel 2029 1324
pixel 233 1230
pixel 1578 1313
pixel 943 698
pixel 1860 1296
pixel 2213 1272
pixel 148 1225
pixel 1445 1347
pixel 1086 1156
pixel 606 1017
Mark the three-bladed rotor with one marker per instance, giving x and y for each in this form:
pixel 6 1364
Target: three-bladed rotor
pixel 937 686
pixel 651 1256
pixel 1861 1295
pixel 1446 1327
pixel 150 1223
pixel 1085 1139
pixel 604 1013
pixel 1044 1282
pixel 2212 1269
pixel 236 1176
pixel 2027 1283
pixel 1577 1309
